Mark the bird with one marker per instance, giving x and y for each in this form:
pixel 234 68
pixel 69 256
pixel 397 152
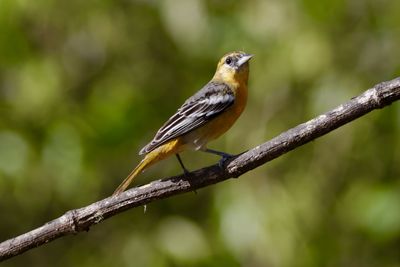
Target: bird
pixel 202 118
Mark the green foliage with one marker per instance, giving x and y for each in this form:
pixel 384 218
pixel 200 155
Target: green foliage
pixel 85 84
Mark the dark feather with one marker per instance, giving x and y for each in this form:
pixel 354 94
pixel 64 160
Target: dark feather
pixel 213 99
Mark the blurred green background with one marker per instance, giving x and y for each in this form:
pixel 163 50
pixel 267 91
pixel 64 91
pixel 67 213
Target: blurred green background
pixel 85 84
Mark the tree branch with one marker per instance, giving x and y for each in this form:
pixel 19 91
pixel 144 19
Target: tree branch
pixel 75 221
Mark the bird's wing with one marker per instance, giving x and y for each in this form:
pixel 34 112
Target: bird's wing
pixel 210 101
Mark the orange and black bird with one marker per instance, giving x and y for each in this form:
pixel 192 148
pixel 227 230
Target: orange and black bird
pixel 203 117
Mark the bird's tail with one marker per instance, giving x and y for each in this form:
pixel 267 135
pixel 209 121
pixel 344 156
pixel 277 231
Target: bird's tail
pixel 154 156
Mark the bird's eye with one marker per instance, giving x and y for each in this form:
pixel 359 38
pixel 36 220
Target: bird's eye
pixel 228 60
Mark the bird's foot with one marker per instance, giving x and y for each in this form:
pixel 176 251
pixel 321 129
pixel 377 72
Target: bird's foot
pixel 186 172
pixel 224 159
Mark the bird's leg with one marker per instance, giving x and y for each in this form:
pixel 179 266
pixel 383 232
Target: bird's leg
pixel 219 153
pixel 225 156
pixel 185 171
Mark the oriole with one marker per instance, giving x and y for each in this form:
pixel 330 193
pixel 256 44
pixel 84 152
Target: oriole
pixel 203 117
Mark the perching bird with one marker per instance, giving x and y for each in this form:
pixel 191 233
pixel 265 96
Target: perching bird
pixel 203 117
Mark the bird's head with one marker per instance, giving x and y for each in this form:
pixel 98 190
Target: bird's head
pixel 233 66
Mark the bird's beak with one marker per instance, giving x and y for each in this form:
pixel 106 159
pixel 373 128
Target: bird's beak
pixel 244 59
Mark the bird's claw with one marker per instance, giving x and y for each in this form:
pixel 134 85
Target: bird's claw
pixel 185 172
pixel 224 159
